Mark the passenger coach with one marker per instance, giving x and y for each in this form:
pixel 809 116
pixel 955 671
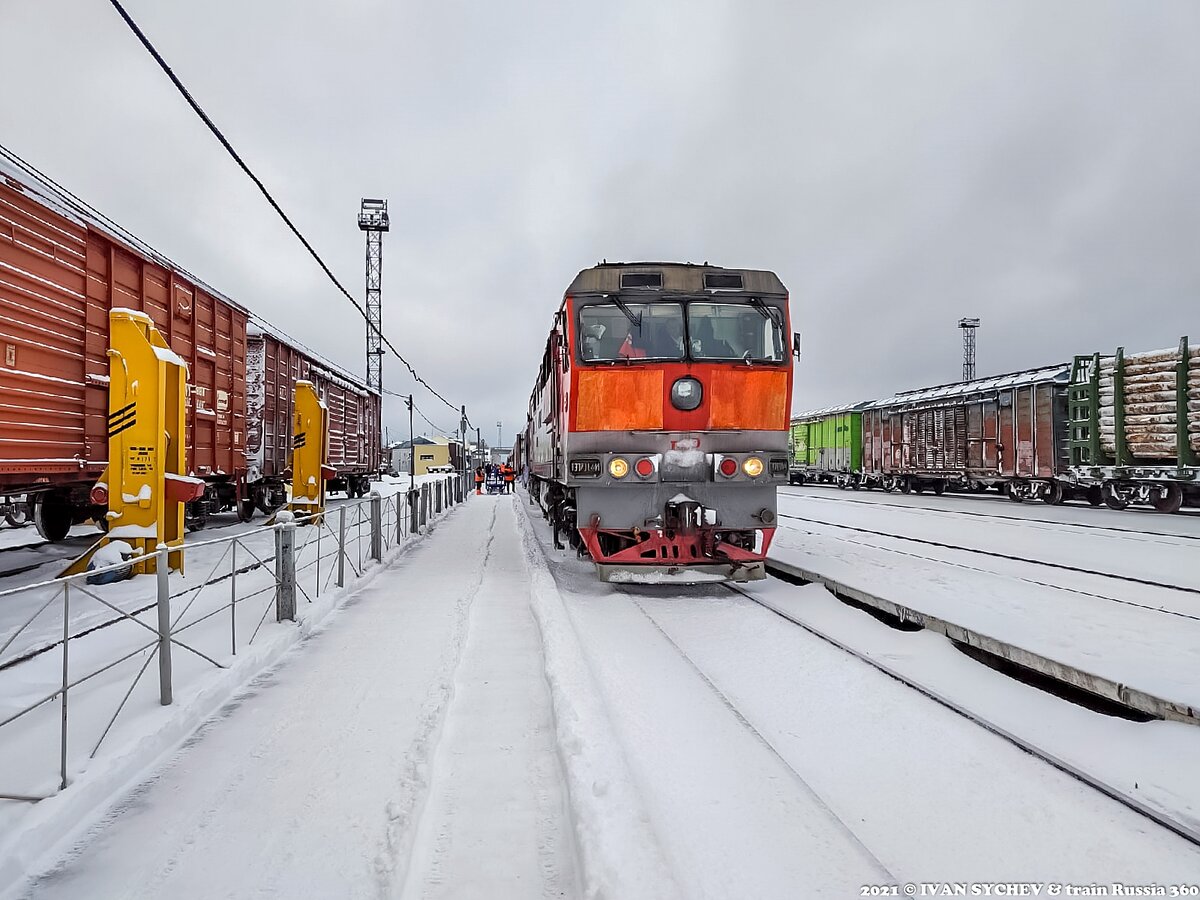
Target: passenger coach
pixel 658 424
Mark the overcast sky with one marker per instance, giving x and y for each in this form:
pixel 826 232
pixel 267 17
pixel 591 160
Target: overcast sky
pixel 900 165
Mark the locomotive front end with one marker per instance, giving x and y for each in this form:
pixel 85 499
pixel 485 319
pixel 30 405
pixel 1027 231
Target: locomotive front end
pixel 676 421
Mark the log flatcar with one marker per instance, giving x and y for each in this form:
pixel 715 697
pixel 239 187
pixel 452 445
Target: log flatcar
pixel 63 266
pixel 658 423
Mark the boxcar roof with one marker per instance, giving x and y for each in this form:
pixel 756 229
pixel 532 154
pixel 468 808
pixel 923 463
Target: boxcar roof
pixel 1058 373
pixel 828 411
pixel 605 278
pixel 32 183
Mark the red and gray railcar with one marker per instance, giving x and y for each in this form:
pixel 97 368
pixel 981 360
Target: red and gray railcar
pixel 63 266
pixel 658 423
pixel 1008 432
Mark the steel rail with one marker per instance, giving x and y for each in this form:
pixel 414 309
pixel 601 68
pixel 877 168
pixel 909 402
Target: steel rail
pixel 1086 526
pixel 1133 579
pixel 1185 831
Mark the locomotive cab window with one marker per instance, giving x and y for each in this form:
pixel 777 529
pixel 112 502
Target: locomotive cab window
pixel 619 331
pixel 735 331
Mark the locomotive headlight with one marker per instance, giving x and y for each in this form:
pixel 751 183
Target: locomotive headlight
pixel 752 466
pixel 686 393
pixel 617 467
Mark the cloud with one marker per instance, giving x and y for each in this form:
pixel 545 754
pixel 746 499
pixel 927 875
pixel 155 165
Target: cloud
pixel 899 165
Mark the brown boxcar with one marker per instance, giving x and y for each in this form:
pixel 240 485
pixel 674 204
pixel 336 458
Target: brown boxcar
pixel 63 266
pixel 274 364
pixel 1009 431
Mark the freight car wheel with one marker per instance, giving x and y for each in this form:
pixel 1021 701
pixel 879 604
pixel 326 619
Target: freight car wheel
pixel 1054 494
pixel 905 486
pixel 52 515
pixel 939 487
pixel 1014 493
pixel 1095 496
pixel 1112 497
pixel 245 509
pixel 1169 499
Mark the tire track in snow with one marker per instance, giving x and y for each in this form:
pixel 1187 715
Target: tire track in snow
pixel 403 811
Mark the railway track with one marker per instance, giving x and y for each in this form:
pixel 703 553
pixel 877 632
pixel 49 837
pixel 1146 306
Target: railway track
pixel 1132 579
pixel 1083 526
pixel 1186 831
pixel 1183 829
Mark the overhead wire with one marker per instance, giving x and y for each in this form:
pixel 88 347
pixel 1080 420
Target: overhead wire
pixel 162 63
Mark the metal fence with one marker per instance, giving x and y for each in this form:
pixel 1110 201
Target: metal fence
pixel 78 658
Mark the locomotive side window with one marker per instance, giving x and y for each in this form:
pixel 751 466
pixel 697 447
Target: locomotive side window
pixel 735 331
pixel 622 331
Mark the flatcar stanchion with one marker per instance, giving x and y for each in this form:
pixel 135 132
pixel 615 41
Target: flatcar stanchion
pixel 310 453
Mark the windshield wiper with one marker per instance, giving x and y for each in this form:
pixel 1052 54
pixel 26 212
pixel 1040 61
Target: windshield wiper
pixel 635 318
pixel 767 312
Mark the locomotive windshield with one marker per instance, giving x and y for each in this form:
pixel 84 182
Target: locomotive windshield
pixel 615 331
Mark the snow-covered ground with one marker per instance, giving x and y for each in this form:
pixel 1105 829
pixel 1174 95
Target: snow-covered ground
pixel 486 719
pixel 1133 633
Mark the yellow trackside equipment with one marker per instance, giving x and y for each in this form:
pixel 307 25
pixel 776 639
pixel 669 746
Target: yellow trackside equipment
pixel 310 452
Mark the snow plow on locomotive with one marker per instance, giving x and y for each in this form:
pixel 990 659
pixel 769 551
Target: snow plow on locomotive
pixel 658 425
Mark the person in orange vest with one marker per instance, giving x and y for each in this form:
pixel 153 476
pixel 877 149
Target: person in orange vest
pixel 510 475
pixel 479 479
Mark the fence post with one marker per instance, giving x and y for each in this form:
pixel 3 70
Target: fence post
pixel 424 505
pixel 400 515
pixel 163 572
pixel 414 523
pixel 342 545
pixel 285 572
pixel 376 526
pixel 62 786
pixel 437 498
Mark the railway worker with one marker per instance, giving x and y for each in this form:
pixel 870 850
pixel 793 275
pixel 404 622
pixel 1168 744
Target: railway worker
pixel 706 343
pixel 510 475
pixel 479 476
pixel 631 347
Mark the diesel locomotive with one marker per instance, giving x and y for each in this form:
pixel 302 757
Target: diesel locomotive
pixel 658 424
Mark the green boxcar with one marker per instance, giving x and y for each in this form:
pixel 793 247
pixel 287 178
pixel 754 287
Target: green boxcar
pixel 827 446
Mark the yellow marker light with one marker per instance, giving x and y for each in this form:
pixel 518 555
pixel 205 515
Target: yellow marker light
pixel 618 468
pixel 753 466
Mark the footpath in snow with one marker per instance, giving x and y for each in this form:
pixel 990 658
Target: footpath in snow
pixel 408 750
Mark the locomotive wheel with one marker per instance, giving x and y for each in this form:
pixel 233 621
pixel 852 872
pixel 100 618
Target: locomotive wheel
pixel 1054 493
pixel 52 516
pixel 1169 500
pixel 1112 499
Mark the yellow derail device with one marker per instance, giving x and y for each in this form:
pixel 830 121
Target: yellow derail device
pixel 310 450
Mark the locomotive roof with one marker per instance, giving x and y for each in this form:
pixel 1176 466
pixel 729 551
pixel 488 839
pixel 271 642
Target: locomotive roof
pixel 1060 373
pixel 55 197
pixel 686 278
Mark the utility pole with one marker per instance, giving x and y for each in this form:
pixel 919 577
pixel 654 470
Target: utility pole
pixel 412 448
pixel 373 219
pixel 968 327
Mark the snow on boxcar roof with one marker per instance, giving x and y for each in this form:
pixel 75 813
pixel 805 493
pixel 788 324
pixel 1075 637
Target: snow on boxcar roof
pixel 31 182
pixel 1060 373
pixel 827 411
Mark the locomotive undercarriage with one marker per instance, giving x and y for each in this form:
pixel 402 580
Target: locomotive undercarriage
pixel 671 537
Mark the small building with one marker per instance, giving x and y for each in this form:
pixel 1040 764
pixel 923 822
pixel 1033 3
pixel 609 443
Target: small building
pixel 430 452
